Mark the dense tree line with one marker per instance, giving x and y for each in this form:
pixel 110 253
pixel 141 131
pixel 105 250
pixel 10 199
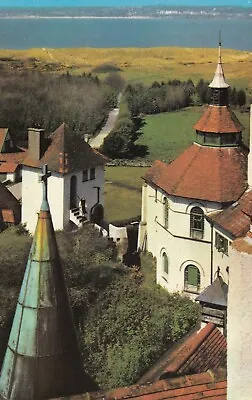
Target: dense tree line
pixel 124 320
pixel 30 98
pixel 159 97
pixel 236 97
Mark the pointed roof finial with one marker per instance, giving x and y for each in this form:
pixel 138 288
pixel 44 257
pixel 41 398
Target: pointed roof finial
pixel 219 81
pixel 219 61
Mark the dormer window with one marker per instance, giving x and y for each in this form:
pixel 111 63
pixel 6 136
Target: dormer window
pixel 197 223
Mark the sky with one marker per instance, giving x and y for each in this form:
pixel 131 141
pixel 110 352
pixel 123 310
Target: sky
pixel 88 3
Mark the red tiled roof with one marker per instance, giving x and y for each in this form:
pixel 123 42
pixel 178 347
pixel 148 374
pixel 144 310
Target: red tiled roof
pixel 17 157
pixel 201 172
pixel 6 167
pixel 67 152
pixel 236 218
pixel 198 353
pixel 218 119
pixel 208 385
pixel 3 132
pixel 9 205
pixel 243 245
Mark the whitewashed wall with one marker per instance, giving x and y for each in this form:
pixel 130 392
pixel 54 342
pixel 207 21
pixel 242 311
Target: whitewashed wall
pixel 176 241
pixel 239 329
pixel 32 197
pixel 58 195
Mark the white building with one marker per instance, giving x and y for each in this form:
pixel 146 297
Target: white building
pixel 187 219
pixel 76 186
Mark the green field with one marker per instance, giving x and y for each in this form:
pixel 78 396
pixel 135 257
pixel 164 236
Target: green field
pixel 123 201
pixel 166 135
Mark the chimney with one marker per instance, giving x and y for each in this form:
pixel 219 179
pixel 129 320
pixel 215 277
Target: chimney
pixel 250 152
pixel 36 142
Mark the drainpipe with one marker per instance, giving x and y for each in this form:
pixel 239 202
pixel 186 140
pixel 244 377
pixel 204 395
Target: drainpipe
pixel 211 255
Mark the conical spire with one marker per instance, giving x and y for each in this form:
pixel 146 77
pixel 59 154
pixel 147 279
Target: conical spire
pixel 219 81
pixel 42 359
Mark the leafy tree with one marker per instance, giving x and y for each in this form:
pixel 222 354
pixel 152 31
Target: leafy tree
pixel 241 98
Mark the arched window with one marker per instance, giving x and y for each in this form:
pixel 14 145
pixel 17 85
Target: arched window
pixel 165 263
pixel 197 223
pixel 192 278
pixel 166 212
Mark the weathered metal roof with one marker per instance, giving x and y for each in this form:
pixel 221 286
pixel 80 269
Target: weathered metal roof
pixel 215 294
pixel 42 359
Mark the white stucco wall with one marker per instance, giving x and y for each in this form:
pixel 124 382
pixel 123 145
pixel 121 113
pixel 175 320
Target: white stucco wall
pixel 175 241
pixel 239 326
pixel 85 190
pixel 32 197
pixel 58 195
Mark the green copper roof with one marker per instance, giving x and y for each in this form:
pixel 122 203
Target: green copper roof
pixel 42 359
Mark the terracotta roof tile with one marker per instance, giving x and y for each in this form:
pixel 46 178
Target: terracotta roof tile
pixel 17 157
pixel 6 167
pixel 197 353
pixel 218 119
pixel 208 385
pixel 9 205
pixel 67 152
pixel 236 218
pixel 201 172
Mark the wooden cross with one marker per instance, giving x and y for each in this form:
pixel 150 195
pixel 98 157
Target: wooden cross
pixel 44 178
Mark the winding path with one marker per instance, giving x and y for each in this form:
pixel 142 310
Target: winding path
pixel 97 141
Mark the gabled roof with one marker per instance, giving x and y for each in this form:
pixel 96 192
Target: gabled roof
pixel 67 152
pixel 208 385
pixel 218 119
pixel 194 354
pixel 215 294
pixel 9 206
pixel 201 172
pixel 3 133
pixel 235 219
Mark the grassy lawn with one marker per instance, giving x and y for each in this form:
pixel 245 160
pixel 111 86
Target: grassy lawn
pixel 168 134
pixel 123 192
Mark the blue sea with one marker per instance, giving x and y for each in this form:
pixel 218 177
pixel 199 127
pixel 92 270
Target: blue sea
pixel 26 33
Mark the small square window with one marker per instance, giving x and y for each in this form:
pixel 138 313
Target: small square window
pixel 221 243
pixel 92 173
pixel 84 175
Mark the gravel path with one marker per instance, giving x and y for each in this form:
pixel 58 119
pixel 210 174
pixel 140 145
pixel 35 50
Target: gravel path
pixel 97 141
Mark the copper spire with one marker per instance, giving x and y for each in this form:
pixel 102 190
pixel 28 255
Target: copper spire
pixel 219 81
pixel 42 359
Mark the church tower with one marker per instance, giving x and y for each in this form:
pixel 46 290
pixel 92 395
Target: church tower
pixel 42 359
pixel 219 126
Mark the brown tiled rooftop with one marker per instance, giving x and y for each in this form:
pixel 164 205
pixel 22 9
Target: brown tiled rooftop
pixel 9 205
pixel 198 353
pixel 236 218
pixel 66 153
pixel 207 385
pixel 202 172
pixel 8 167
pixel 16 157
pixel 218 119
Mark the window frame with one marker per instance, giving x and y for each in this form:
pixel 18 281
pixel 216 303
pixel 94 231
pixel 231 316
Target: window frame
pixel 188 286
pixel 221 243
pixel 85 177
pixel 165 263
pixel 166 212
pixel 92 174
pixel 197 223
